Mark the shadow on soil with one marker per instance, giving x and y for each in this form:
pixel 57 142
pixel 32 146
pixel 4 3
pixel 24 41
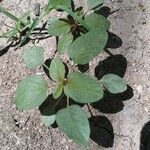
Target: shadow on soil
pixel 101 127
pixel 101 131
pixel 112 103
pixel 51 106
pixel 145 137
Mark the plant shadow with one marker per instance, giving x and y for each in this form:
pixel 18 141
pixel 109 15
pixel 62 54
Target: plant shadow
pixel 101 131
pixel 145 137
pixel 83 68
pixel 18 43
pixel 112 103
pixel 115 64
pixel 51 106
pixel 4 50
pixel 105 11
pixel 113 41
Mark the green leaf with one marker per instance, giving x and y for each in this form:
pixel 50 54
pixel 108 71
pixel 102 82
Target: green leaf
pixel 48 120
pixel 97 21
pixel 64 43
pixel 66 3
pixel 31 92
pixel 52 4
pixel 8 14
pixel 57 70
pixel 52 20
pixel 74 15
pixel 58 27
pixel 82 88
pixel 114 83
pixel 24 22
pixel 94 3
pixel 74 123
pixel 88 46
pixel 33 56
pixel 58 90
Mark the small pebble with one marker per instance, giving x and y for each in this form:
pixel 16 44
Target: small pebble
pixel 18 142
pixel 139 88
pixel 146 109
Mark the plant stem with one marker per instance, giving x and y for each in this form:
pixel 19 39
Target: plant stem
pixel 8 14
pixel 67 101
pixel 90 111
pixel 46 66
pixel 108 52
pixel 57 102
pixel 76 17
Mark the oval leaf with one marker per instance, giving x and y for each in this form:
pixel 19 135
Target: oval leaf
pixel 48 120
pixel 58 27
pixel 82 88
pixel 58 90
pixel 94 3
pixel 64 43
pixel 31 92
pixel 33 56
pixel 57 70
pixel 97 21
pixel 114 83
pixel 74 123
pixel 66 3
pixel 54 3
pixel 88 46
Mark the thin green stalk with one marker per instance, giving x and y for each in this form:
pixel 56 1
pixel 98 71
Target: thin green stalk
pixel 67 101
pixel 57 102
pixel 8 14
pixel 34 24
pixel 46 67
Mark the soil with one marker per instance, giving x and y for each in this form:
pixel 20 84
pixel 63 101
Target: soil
pixel 23 130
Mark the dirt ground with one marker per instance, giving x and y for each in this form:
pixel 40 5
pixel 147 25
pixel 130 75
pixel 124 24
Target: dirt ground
pixel 24 130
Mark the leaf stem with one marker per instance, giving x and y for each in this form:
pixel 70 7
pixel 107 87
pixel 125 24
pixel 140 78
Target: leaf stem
pixel 46 66
pixel 67 101
pixel 90 111
pixel 57 102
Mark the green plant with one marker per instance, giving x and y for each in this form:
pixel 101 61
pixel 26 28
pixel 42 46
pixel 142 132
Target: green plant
pixel 82 37
pixel 22 25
